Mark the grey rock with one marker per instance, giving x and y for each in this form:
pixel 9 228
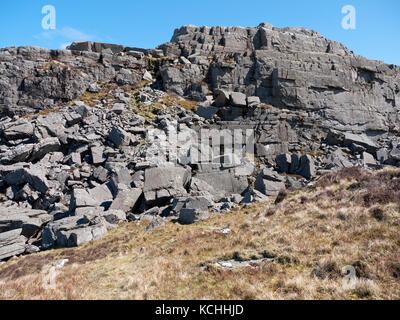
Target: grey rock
pixel 73 231
pixel 206 112
pixel 222 183
pixel 190 216
pixel 126 200
pixel 118 108
pixel 156 223
pixel 44 147
pixel 114 216
pixel 222 98
pixel 119 137
pixel 382 155
pixel 253 101
pixel 101 174
pixel 34 175
pixel 147 76
pixel 238 99
pixel 283 161
pixel 98 156
pixel 19 153
pixel 19 130
pixel 368 160
pixel 163 183
pixel 12 243
pixel 307 167
pixel 395 153
pixel 268 183
pixel 82 198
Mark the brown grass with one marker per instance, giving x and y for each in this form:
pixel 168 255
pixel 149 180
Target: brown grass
pixel 173 101
pixel 311 235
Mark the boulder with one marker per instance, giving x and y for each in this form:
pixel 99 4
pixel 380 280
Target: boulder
pixel 238 99
pixel 368 160
pixel 127 200
pixel 44 147
pixel 223 183
pixel 98 156
pixel 382 155
pixel 307 167
pixel 253 101
pixel 337 160
pixel 73 231
pixel 395 153
pixel 19 153
pixel 118 108
pixel 222 98
pixel 190 216
pixel 163 183
pixel 269 182
pixel 18 130
pixel 155 223
pixel 28 220
pixel 114 216
pixel 12 243
pixel 198 203
pixel 206 112
pixel 283 162
pixel 119 137
pixel 34 175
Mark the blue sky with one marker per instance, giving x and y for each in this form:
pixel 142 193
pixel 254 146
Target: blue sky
pixel 149 23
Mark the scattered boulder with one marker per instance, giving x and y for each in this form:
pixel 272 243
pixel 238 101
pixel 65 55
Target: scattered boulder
pixel 238 99
pixel 119 137
pixel 18 130
pixel 73 231
pixel 163 183
pixel 269 182
pixel 190 216
pixel 127 200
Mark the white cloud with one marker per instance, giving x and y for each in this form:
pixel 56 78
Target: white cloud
pixel 65 33
pixel 64 46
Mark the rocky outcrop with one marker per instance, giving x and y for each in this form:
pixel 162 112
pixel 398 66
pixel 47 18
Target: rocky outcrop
pixel 102 154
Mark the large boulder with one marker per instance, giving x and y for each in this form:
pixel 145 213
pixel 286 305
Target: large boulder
pixel 127 200
pixel 220 183
pixel 28 220
pixel 32 174
pixel 163 183
pixel 269 182
pixel 190 216
pixel 307 167
pixel 12 243
pixel 18 130
pixel 119 137
pixel 73 231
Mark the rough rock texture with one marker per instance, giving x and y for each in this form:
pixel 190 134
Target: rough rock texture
pixel 84 132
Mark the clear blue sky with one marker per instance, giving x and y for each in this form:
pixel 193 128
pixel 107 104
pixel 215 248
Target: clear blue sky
pixel 149 23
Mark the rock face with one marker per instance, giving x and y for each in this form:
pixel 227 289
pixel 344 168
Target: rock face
pixel 292 68
pixel 119 139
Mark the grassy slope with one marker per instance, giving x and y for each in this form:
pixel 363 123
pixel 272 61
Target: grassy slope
pixel 312 234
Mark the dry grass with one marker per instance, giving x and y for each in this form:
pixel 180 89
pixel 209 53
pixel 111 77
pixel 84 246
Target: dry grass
pixel 310 235
pixel 173 101
pixel 91 99
pixel 149 112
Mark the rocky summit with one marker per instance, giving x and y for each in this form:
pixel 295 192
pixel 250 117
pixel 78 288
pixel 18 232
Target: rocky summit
pixel 101 134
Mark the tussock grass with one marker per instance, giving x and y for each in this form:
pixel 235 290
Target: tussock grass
pixel 310 235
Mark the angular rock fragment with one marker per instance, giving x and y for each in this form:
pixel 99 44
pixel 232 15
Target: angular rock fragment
pixel 269 182
pixel 18 130
pixel 190 216
pixel 119 137
pixel 163 183
pixel 126 200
